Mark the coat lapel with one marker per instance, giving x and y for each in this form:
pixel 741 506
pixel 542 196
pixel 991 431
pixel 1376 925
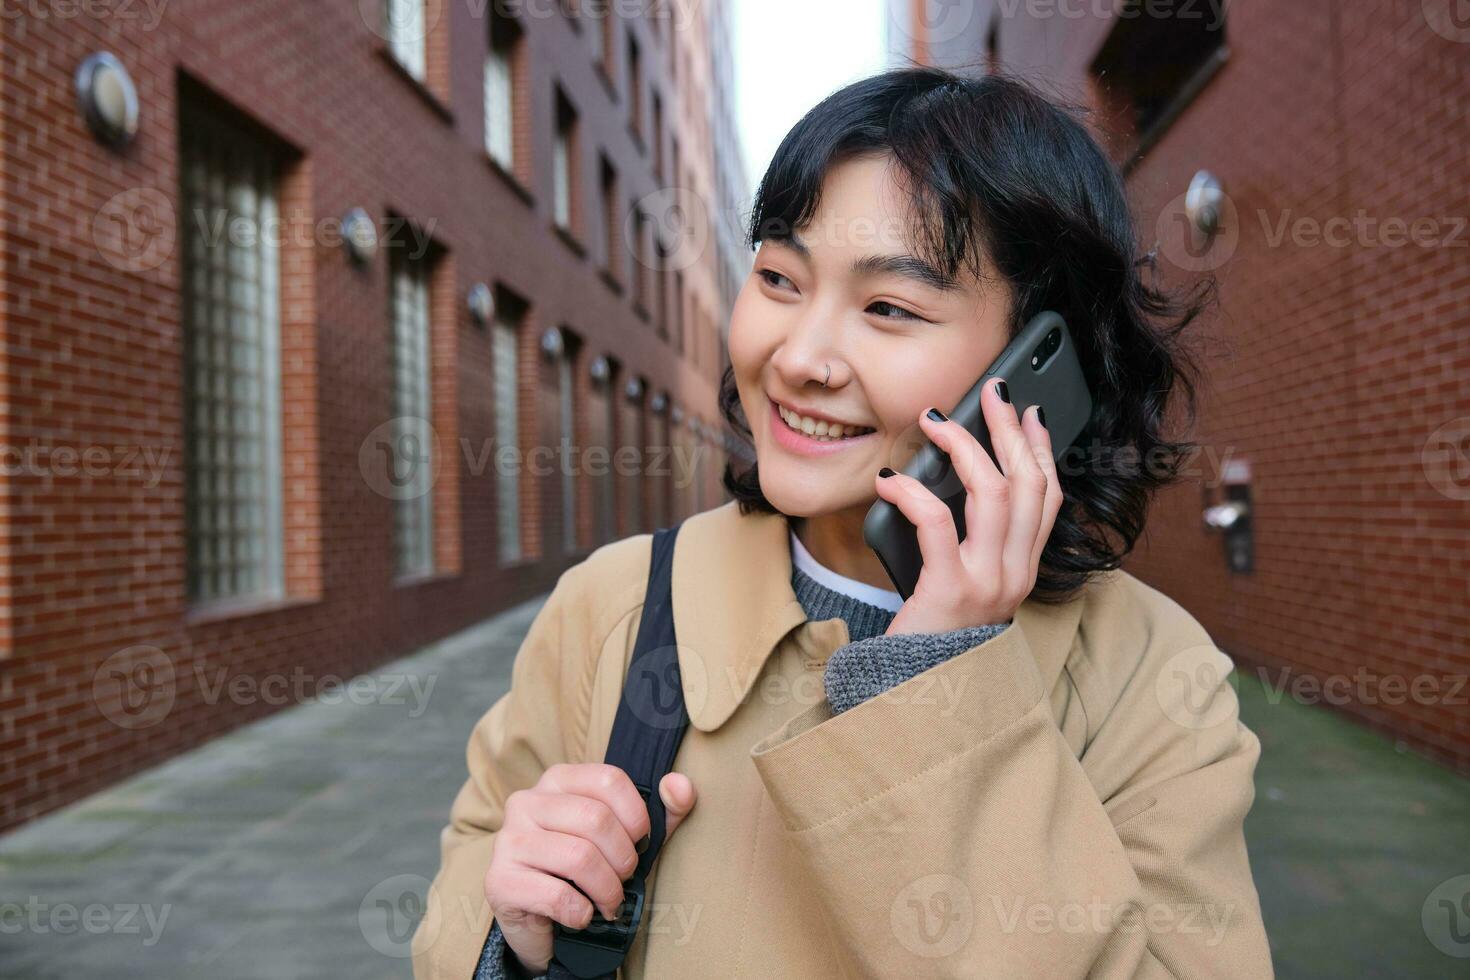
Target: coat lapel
pixel 733 605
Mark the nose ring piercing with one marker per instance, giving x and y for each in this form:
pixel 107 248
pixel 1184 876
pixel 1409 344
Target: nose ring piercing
pixel 828 377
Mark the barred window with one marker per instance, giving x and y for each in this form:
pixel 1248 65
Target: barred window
pixel 412 444
pixel 499 86
pixel 406 27
pixel 569 439
pixel 507 474
pixel 232 384
pixel 563 162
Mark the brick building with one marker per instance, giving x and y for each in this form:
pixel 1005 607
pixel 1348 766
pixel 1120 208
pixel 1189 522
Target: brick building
pixel 1336 402
pixel 286 376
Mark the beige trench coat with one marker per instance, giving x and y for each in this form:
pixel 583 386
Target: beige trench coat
pixel 1063 800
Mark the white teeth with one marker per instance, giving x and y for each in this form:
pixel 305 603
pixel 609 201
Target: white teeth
pixel 820 429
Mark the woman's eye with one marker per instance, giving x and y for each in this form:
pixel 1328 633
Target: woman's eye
pixel 901 313
pixel 767 273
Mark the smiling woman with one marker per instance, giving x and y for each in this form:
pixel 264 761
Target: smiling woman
pixel 1031 766
pixel 907 227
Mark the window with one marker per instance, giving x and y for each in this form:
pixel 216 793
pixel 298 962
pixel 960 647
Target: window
pixel 596 18
pixel 679 311
pixel 1150 68
pixel 658 137
pixel 564 171
pixel 569 439
pixel 632 435
pixel 640 260
pixel 635 88
pixel 507 434
pixel 661 283
pixel 407 32
pixel 604 416
pixel 505 39
pixel 232 362
pixel 412 446
pixel 608 183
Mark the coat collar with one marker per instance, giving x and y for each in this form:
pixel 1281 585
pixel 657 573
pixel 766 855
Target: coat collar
pixel 733 605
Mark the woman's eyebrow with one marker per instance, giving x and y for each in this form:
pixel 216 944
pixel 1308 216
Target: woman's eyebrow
pixel 904 266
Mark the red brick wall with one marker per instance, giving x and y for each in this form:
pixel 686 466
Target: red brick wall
pixel 92 565
pixel 1338 366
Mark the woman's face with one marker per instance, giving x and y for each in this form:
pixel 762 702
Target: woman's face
pixel 848 293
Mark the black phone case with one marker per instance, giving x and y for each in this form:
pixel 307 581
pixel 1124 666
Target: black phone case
pixel 1058 386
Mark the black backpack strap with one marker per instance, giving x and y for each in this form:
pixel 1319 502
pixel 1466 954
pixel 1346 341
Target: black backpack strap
pixel 646 733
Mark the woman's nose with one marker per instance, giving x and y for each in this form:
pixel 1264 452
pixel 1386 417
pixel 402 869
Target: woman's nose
pixel 806 352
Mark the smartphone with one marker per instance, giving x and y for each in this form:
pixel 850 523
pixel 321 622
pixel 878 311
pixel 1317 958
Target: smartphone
pixel 1040 367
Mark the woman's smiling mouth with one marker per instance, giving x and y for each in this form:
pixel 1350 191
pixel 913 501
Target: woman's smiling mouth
pixel 810 436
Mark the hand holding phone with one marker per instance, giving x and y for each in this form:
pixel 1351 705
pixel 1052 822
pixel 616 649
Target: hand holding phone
pixel 1040 367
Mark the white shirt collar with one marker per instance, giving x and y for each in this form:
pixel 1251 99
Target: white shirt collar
pixel 862 591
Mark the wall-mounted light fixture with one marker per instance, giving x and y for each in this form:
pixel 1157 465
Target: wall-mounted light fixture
pixel 359 236
pixel 480 301
pixel 552 343
pixel 107 98
pixel 677 415
pixel 600 369
pixel 1203 202
pixel 658 403
pixel 633 390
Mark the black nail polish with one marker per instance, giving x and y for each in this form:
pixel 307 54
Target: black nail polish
pixel 1002 391
pixel 1041 416
pixel 936 415
pixel 885 472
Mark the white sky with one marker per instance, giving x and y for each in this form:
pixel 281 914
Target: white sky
pixel 789 54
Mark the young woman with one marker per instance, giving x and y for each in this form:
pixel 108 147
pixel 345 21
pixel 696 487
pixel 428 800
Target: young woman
pixel 1031 767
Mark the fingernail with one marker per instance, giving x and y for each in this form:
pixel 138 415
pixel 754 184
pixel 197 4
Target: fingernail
pixel 642 845
pixel 937 415
pixel 1041 416
pixel 1002 391
pixel 885 472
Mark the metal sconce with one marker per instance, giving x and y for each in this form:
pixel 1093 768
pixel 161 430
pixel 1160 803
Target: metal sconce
pixel 481 303
pixel 659 402
pixel 1203 202
pixel 633 390
pixel 694 424
pixel 677 415
pixel 360 236
pixel 599 369
pixel 552 343
pixel 107 98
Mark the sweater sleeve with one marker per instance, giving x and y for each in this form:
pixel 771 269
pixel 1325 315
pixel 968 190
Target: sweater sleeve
pixel 497 962
pixel 866 668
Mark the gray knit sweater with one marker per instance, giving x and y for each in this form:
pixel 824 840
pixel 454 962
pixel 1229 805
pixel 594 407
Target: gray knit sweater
pixel 867 665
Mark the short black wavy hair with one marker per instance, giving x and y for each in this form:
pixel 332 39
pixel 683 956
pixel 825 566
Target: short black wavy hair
pixel 994 168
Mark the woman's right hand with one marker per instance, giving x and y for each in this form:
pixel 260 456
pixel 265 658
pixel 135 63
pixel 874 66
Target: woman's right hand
pixel 580 823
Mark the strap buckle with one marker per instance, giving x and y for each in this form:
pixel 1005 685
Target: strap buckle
pixel 600 949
